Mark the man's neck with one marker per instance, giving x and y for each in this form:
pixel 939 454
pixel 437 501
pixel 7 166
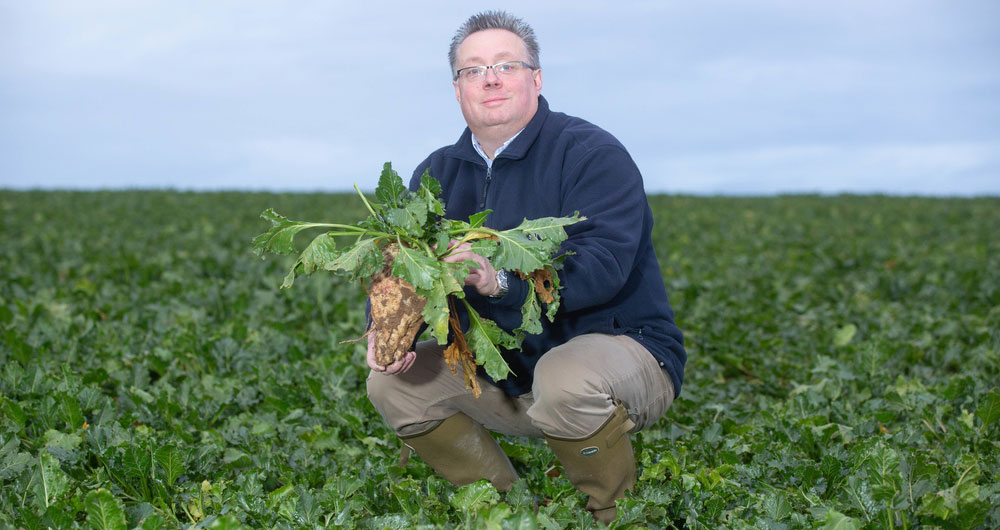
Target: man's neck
pixel 494 152
pixel 491 140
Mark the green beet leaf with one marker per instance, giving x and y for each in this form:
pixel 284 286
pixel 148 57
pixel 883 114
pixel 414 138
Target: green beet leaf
pixel 321 251
pixel 415 267
pixel 151 522
pixel 279 239
pixel 531 314
pixel 838 521
pixel 414 223
pixel 49 480
pixel 430 190
pixel 226 522
pixel 390 188
pixel 13 413
pixel 448 282
pixel 104 511
pixel 551 229
pixel 484 337
pixel 477 219
pixel 472 496
pixel 989 407
pixel 171 461
pixel 553 306
pixel 11 461
pixel 409 220
pixel 360 260
pixel 516 251
pixel 844 335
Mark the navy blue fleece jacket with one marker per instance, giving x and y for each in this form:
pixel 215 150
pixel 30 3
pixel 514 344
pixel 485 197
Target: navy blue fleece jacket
pixel 611 283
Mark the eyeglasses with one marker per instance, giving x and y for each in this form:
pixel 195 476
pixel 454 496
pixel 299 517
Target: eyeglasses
pixel 506 68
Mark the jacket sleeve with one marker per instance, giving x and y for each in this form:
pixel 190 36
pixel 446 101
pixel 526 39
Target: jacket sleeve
pixel 606 187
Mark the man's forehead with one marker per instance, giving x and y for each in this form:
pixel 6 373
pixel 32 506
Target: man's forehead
pixel 490 44
pixel 499 56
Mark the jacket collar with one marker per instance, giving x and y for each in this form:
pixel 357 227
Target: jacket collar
pixel 517 149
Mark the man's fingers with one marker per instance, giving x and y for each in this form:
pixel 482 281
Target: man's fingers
pixel 408 361
pixel 370 358
pixel 370 354
pixel 454 250
pixel 401 365
pixel 464 256
pixel 482 275
pixel 459 247
pixel 393 368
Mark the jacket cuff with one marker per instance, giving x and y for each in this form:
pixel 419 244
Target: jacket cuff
pixel 517 290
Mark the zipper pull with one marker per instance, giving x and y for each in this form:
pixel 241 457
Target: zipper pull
pixel 486 187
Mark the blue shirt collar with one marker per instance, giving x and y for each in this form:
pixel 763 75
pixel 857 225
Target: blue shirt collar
pixel 479 149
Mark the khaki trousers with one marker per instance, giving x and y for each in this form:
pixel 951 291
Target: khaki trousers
pixel 574 391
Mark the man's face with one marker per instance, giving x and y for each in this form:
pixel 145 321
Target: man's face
pixel 504 103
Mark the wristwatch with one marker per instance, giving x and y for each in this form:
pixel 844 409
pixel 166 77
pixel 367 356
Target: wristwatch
pixel 502 284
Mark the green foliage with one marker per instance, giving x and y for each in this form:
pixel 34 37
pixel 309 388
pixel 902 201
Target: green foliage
pixel 412 223
pixel 152 377
pixel 104 511
pixel 989 407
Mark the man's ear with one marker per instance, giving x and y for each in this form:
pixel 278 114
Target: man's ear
pixel 458 94
pixel 537 78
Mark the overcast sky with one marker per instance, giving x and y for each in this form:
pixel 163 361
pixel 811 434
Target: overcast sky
pixel 709 97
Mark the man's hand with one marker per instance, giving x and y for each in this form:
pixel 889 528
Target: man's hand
pixel 397 367
pixel 483 277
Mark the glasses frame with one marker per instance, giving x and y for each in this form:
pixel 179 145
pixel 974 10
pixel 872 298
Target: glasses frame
pixel 458 73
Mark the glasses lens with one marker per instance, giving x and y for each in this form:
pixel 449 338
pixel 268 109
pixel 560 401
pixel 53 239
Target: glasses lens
pixel 507 68
pixel 473 73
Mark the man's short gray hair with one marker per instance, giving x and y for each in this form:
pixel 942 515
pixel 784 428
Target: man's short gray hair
pixel 494 20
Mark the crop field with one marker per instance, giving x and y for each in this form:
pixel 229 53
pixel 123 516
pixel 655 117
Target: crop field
pixel 844 373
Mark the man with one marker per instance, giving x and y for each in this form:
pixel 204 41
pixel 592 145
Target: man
pixel 612 361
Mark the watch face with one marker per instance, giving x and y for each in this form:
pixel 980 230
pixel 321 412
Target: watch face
pixel 502 285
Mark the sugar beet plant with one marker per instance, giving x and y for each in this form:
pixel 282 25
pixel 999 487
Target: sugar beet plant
pixel 398 251
pixel 843 373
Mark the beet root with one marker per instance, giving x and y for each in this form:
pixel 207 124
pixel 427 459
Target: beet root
pixel 396 315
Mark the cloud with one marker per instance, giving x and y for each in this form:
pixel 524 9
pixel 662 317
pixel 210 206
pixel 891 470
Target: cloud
pixel 316 94
pixel 967 168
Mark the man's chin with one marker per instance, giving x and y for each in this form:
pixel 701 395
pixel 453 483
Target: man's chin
pixel 495 120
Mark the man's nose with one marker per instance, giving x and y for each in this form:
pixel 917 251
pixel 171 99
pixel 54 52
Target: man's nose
pixel 494 81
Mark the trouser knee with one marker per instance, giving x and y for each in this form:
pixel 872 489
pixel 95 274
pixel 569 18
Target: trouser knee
pixel 577 384
pixel 569 400
pixel 388 397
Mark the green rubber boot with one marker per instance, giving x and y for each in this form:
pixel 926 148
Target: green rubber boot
pixel 463 452
pixel 601 465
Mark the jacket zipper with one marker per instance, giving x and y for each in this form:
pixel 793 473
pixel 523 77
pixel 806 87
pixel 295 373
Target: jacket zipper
pixel 486 188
